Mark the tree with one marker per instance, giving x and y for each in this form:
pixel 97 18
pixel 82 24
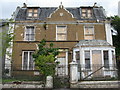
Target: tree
pixel 45 58
pixel 115 22
pixel 6 37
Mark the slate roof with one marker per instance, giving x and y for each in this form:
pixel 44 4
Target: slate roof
pixel 44 12
pixel 92 43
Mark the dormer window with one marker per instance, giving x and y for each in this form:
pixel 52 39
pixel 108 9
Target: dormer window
pixel 32 13
pixel 86 12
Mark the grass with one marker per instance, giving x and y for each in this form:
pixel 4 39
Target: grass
pixel 9 80
pixel 12 79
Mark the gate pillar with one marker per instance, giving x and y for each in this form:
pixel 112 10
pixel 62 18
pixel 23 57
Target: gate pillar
pixel 73 72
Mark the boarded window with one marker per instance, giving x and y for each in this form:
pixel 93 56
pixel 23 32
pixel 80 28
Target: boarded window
pixel 28 63
pixel 106 59
pixel 87 59
pixel 86 12
pixel 61 33
pixel 88 32
pixel 29 33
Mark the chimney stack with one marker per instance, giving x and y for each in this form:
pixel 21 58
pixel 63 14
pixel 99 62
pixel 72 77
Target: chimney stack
pixel 24 5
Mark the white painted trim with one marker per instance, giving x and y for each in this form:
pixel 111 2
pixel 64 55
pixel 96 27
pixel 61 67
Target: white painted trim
pixel 102 58
pixel 108 33
pixel 53 13
pixel 69 13
pixel 91 59
pixel 66 62
pixel 58 9
pixel 109 49
pixel 22 58
pixel 28 59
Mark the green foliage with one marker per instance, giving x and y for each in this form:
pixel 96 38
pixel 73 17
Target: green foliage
pixel 46 64
pixel 6 36
pixel 115 22
pixel 45 58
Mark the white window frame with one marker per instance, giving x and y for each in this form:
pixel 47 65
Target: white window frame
pixel 57 32
pixel 85 60
pixel 93 30
pixel 28 60
pixel 26 30
pixel 107 60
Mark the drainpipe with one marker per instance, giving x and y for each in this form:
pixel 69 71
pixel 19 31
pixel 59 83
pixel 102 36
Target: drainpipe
pixel 80 62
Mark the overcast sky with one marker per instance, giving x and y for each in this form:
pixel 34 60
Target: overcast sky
pixel 7 7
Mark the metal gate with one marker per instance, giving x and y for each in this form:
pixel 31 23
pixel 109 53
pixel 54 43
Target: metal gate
pixel 61 78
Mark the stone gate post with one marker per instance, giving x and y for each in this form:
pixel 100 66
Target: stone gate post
pixel 73 72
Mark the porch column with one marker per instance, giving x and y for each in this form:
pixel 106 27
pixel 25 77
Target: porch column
pixel 73 72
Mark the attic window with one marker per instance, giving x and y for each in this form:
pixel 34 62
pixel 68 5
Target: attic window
pixel 32 13
pixel 86 12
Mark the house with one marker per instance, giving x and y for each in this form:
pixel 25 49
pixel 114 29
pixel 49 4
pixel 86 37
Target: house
pixel 82 34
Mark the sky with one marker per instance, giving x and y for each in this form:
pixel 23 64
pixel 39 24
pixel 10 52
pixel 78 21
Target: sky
pixel 7 7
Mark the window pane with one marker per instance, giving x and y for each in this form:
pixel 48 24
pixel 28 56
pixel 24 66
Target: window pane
pixel 83 10
pixel 87 54
pixel 106 59
pixel 84 15
pixel 27 37
pixel 29 33
pixel 35 10
pixel 77 55
pixel 30 10
pixel 89 37
pixel 31 63
pixel 29 14
pixel 61 29
pixel 89 15
pixel 87 63
pixel 35 15
pixel 61 37
pixel 61 57
pixel 89 11
pixel 62 60
pixel 87 59
pixel 31 37
pixel 61 32
pixel 25 61
pixel 89 30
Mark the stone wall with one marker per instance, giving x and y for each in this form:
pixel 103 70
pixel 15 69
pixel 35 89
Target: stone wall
pixel 97 84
